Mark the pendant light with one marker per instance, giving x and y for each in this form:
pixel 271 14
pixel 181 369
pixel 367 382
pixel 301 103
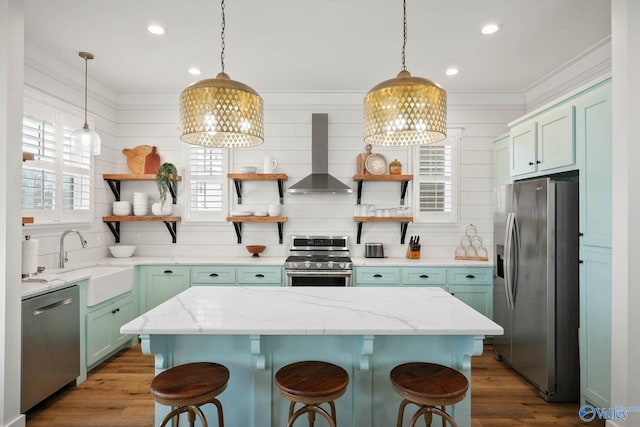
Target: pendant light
pixel 84 138
pixel 221 112
pixel 406 110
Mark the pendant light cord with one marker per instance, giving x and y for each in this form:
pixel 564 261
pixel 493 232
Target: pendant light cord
pixel 86 61
pixel 404 40
pixel 222 37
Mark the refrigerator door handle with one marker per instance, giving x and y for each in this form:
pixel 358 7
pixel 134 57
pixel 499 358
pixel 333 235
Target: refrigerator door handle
pixel 507 260
pixel 516 258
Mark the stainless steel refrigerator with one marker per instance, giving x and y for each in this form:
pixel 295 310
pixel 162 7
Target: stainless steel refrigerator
pixel 535 291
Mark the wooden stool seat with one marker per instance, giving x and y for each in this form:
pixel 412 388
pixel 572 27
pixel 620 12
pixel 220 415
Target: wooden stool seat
pixel 430 386
pixel 187 387
pixel 312 383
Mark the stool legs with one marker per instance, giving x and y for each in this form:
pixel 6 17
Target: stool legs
pixel 312 409
pixel 192 412
pixel 428 412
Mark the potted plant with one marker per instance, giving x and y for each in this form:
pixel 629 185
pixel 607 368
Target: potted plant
pixel 166 176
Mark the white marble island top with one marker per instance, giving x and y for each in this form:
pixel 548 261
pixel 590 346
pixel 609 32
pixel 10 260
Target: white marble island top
pixel 313 311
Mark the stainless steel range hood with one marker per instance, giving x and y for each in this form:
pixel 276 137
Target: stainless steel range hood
pixel 319 181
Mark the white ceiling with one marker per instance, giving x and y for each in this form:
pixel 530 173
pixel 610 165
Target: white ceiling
pixel 317 44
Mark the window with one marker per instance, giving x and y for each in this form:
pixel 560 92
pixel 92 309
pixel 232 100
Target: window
pixel 56 184
pixel 205 190
pixel 436 180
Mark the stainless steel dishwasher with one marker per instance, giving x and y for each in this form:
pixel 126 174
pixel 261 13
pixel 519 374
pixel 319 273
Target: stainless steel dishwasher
pixel 50 344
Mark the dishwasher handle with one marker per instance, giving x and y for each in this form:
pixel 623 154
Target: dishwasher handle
pixel 44 309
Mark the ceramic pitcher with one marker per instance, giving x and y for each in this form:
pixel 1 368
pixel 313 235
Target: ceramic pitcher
pixel 270 164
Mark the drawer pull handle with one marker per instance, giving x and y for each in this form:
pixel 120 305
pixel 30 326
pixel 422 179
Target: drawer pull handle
pixel 470 276
pixel 424 276
pixel 168 272
pixel 213 275
pixel 259 276
pixel 377 276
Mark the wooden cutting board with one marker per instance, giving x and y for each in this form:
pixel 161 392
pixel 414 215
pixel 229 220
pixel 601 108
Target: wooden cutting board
pixel 137 158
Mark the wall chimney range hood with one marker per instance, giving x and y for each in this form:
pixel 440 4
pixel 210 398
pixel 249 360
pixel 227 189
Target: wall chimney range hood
pixel 319 181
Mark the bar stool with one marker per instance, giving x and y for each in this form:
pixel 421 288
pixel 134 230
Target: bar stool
pixel 187 387
pixel 429 386
pixel 312 383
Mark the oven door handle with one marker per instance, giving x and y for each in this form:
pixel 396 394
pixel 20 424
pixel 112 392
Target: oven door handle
pixel 316 273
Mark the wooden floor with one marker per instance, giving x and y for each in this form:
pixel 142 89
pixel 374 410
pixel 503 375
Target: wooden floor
pixel 117 394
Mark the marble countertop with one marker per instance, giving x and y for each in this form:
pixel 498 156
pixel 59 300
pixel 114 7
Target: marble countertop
pixel 313 311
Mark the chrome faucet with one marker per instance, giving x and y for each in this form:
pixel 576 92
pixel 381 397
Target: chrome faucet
pixel 63 253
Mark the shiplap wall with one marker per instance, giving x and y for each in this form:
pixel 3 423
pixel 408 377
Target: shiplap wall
pixel 153 119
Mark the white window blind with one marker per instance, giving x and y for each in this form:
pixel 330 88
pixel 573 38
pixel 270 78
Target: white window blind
pixel 56 185
pixel 206 184
pixel 436 172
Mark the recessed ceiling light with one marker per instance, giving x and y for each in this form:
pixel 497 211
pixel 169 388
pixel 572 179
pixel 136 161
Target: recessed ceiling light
pixel 195 71
pixel 490 29
pixel 156 29
pixel 452 71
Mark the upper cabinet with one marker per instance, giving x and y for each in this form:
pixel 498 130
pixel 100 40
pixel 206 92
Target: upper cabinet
pixel 544 143
pixel 501 158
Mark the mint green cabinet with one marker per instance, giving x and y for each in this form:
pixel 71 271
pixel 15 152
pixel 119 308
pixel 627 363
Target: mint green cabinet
pixel 256 276
pixel 163 282
pixel 103 324
pixel 213 275
pixel 593 144
pixel 377 276
pixel 424 276
pixel 544 143
pixel 501 158
pixel 478 297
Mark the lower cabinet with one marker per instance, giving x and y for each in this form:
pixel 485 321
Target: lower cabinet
pixel 103 324
pixel 256 276
pixel 471 285
pixel 163 282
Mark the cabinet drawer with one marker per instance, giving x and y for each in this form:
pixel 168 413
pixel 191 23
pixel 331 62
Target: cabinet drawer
pixel 212 275
pixel 424 276
pixel 377 276
pixel 470 276
pixel 260 276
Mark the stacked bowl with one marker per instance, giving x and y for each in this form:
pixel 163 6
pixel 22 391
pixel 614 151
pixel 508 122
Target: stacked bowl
pixel 140 204
pixel 122 208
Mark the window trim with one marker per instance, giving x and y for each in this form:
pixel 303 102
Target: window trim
pixel 61 113
pixel 190 216
pixel 454 137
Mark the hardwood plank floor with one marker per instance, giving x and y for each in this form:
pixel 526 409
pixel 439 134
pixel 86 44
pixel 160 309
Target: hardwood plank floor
pixel 117 394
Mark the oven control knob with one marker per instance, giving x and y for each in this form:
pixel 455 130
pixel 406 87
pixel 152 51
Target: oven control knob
pixel 307 264
pixel 295 265
pixel 318 264
pixel 342 265
pixel 330 264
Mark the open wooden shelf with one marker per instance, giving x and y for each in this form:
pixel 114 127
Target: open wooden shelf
pixel 114 179
pixel 403 220
pixel 402 179
pixel 113 222
pixel 238 220
pixel 239 177
pixel 27 220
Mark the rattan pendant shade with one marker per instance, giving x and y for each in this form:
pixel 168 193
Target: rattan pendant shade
pixel 221 112
pixel 406 110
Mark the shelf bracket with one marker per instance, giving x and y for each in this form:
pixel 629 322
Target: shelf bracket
pixel 114 184
pixel 359 232
pixel 403 190
pixel 281 191
pixel 238 227
pixel 280 227
pixel 172 226
pixel 173 192
pixel 359 193
pixel 403 231
pixel 238 184
pixel 115 229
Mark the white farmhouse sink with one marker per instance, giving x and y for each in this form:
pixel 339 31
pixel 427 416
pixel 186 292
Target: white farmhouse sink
pixel 106 282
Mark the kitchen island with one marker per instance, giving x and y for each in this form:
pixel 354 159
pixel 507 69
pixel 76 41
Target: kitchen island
pixel 254 331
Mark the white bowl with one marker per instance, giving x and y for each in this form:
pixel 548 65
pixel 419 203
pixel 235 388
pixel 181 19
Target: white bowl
pixel 248 169
pixel 122 251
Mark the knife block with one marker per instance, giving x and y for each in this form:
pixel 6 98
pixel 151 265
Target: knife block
pixel 411 254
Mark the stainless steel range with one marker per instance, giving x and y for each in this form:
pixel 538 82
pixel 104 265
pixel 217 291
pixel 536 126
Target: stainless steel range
pixel 319 261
